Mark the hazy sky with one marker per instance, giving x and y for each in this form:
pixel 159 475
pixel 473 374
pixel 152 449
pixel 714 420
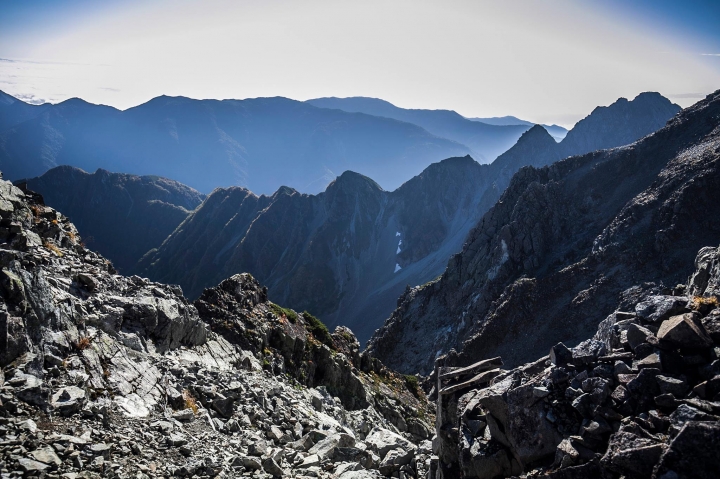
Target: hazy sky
pixel 545 61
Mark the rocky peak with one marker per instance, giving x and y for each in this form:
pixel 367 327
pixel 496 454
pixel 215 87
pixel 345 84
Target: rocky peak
pixel 566 240
pixel 620 123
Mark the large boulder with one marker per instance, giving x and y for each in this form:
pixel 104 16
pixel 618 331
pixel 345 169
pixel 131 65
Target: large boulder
pixel 693 453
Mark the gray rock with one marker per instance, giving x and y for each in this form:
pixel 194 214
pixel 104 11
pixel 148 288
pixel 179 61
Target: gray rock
pixel 185 415
pixel 382 441
pixel 632 454
pixel 271 467
pixel 325 449
pixel 46 455
pixel 530 435
pixel 32 466
pixel 693 453
pixel 685 331
pixel 660 308
pixel 68 400
pixel 668 385
pixel 588 351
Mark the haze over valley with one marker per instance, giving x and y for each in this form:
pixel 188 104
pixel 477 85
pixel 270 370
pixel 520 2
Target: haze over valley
pixel 360 240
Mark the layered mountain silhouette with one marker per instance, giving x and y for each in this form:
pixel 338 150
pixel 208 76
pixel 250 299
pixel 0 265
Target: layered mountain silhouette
pixel 486 142
pixel 260 143
pixel 566 242
pixel 123 215
pixel 558 132
pixel 347 253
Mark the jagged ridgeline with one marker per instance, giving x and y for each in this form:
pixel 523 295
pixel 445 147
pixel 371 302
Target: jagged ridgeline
pixel 613 254
pixel 345 254
pixel 549 260
pixel 105 375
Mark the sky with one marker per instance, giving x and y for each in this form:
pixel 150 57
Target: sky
pixel 544 61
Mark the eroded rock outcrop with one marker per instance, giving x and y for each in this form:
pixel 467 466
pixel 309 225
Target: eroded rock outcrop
pixel 104 375
pixel 640 399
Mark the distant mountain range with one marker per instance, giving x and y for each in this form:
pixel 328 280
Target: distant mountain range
pixel 260 143
pixel 557 131
pixel 346 254
pixel 486 142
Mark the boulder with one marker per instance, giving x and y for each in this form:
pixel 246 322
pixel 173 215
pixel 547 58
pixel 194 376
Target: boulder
pixel 68 400
pixel 659 308
pixel 325 449
pixel 588 351
pixel 531 436
pixel 271 467
pixel 684 331
pixel 46 455
pixel 382 441
pixel 693 453
pixel 560 355
pixel 669 385
pixel 632 452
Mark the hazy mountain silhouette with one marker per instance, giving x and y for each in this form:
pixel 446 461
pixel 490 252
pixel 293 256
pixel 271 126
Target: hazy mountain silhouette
pixel 486 142
pixel 558 132
pixel 259 143
pixel 117 214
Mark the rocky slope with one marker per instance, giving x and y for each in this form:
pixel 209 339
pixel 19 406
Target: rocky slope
pixel 639 399
pixel 348 253
pixel 260 143
pixel 345 254
pixel 120 216
pixel 104 375
pixel 548 261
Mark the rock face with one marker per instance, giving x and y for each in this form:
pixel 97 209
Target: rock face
pixel 121 216
pixel 103 375
pixel 548 261
pixel 348 253
pixel 611 407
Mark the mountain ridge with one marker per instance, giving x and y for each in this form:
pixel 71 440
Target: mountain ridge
pixel 258 143
pixel 538 241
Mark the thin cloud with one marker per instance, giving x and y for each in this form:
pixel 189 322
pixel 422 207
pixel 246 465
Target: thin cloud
pixel 687 95
pixel 107 88
pixel 30 98
pixel 40 62
pixel 710 54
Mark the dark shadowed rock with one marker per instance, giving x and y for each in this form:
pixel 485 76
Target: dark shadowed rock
pixel 692 454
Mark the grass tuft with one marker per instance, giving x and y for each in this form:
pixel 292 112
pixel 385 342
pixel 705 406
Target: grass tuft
pixel 700 301
pixel 318 329
pixel 83 343
pixel 53 248
pixel 284 312
pixel 190 401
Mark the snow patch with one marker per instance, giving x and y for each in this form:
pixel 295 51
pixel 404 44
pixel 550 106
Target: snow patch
pixel 397 268
pixel 397 234
pixel 398 249
pixel 492 272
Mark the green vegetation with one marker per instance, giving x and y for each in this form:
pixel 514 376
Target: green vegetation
pixel 318 329
pixel 284 312
pixel 412 384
